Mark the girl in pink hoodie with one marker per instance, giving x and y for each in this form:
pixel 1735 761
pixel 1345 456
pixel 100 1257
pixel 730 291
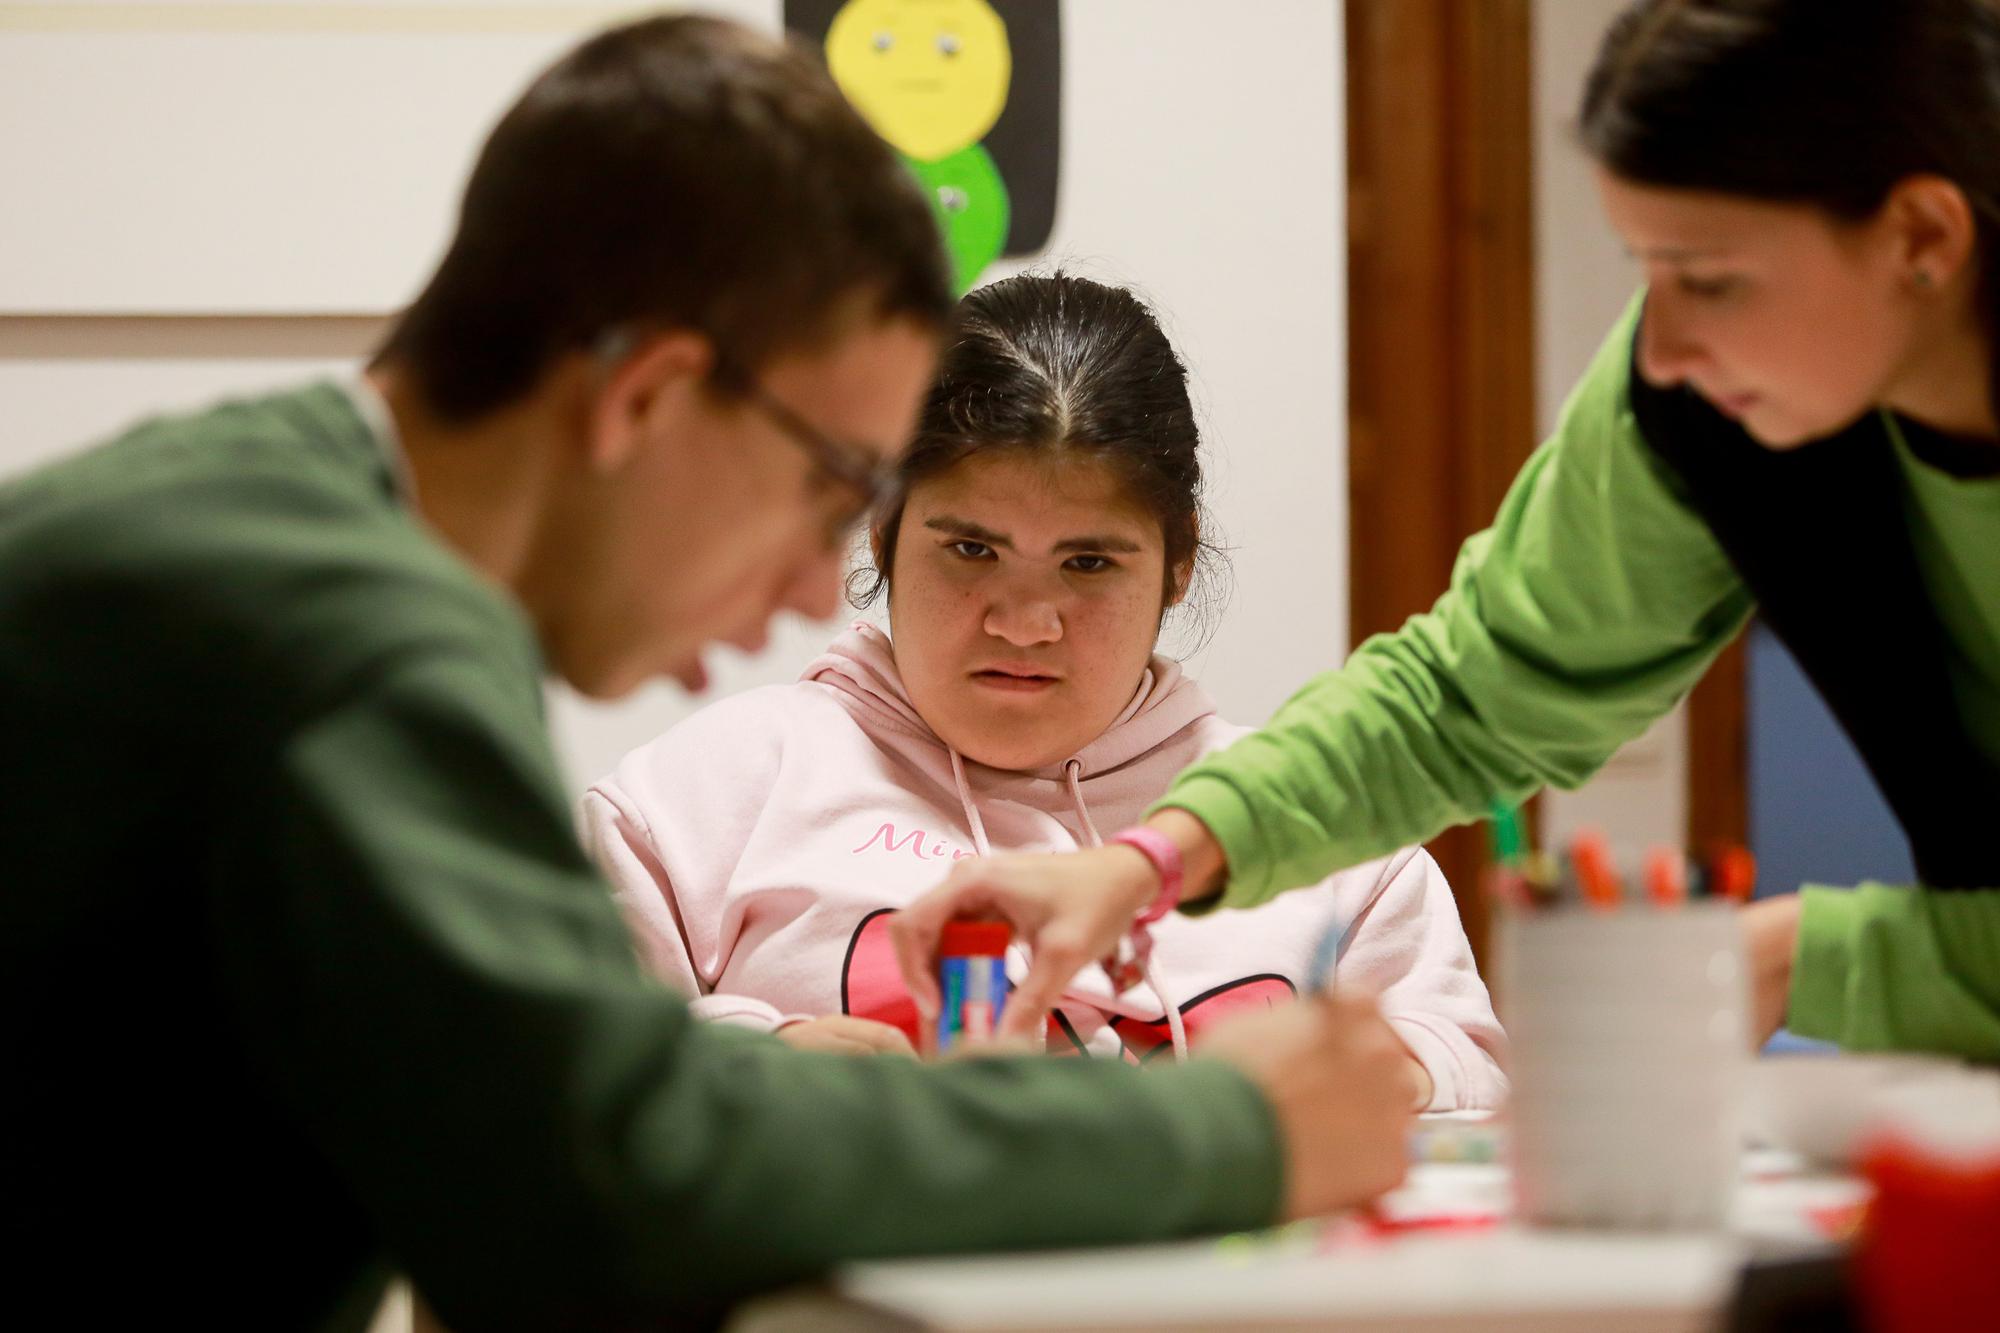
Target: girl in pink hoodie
pixel 1048 516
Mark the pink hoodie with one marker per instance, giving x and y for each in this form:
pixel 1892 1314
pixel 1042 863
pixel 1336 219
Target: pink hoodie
pixel 759 846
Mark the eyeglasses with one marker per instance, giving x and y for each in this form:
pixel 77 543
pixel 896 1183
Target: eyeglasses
pixel 851 467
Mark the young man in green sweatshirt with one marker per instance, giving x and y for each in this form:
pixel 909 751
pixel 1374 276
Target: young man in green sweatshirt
pixel 306 977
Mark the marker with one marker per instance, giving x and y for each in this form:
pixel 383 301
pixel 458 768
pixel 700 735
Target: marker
pixel 1732 872
pixel 972 975
pixel 1596 876
pixel 1544 877
pixel 1506 883
pixel 1667 876
pixel 1509 842
pixel 1325 954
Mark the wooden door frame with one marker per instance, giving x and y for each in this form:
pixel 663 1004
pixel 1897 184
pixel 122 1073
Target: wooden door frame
pixel 1441 409
pixel 1441 311
pixel 1718 762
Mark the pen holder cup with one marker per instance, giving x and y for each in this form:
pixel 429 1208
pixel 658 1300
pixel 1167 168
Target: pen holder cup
pixel 1630 1040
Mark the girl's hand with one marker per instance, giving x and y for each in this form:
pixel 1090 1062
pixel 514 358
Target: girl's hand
pixel 843 1034
pixel 1070 909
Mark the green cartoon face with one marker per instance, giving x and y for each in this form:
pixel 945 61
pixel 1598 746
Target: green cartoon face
pixel 972 208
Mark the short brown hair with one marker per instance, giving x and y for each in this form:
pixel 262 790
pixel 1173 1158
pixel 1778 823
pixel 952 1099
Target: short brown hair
pixel 683 171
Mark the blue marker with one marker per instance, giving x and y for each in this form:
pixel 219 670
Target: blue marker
pixel 972 974
pixel 1325 954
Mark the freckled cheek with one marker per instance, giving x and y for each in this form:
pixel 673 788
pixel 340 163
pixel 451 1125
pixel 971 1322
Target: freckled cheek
pixel 1113 638
pixel 957 619
pixel 937 629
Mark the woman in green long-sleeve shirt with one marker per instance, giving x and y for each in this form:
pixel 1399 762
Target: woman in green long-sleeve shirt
pixel 1796 417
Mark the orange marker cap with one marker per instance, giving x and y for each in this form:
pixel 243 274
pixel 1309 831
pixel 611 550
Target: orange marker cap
pixel 1595 874
pixel 1667 876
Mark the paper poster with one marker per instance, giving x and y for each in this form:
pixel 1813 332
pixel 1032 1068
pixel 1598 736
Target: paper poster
pixel 969 92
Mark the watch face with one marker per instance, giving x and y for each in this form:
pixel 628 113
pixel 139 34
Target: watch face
pixel 969 92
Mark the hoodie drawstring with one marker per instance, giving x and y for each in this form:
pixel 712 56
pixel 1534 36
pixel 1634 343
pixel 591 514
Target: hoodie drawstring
pixel 1176 1029
pixel 972 819
pixel 1073 774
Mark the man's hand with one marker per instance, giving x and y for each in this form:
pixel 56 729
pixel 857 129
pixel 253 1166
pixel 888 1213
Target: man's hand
pixel 1422 1086
pixel 843 1034
pixel 1770 936
pixel 1339 1082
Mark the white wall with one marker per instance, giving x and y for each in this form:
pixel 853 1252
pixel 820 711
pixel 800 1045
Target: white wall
pixel 215 197
pixel 1583 280
pixel 272 158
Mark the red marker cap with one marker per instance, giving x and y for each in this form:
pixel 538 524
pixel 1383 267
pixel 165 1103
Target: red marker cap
pixel 1732 873
pixel 975 939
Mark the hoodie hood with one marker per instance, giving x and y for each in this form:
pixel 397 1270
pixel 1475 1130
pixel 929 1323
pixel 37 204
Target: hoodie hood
pixel 861 666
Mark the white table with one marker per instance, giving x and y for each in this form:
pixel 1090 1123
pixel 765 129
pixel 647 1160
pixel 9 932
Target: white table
pixel 1330 1275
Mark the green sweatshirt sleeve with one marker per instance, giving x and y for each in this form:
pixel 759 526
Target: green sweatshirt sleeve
pixel 1592 604
pixel 1882 968
pixel 445 997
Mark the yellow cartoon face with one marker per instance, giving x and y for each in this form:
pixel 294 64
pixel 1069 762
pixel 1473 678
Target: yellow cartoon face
pixel 929 75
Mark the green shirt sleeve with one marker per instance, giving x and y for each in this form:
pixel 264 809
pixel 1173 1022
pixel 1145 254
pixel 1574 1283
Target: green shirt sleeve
pixel 444 995
pixel 1592 604
pixel 1882 968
